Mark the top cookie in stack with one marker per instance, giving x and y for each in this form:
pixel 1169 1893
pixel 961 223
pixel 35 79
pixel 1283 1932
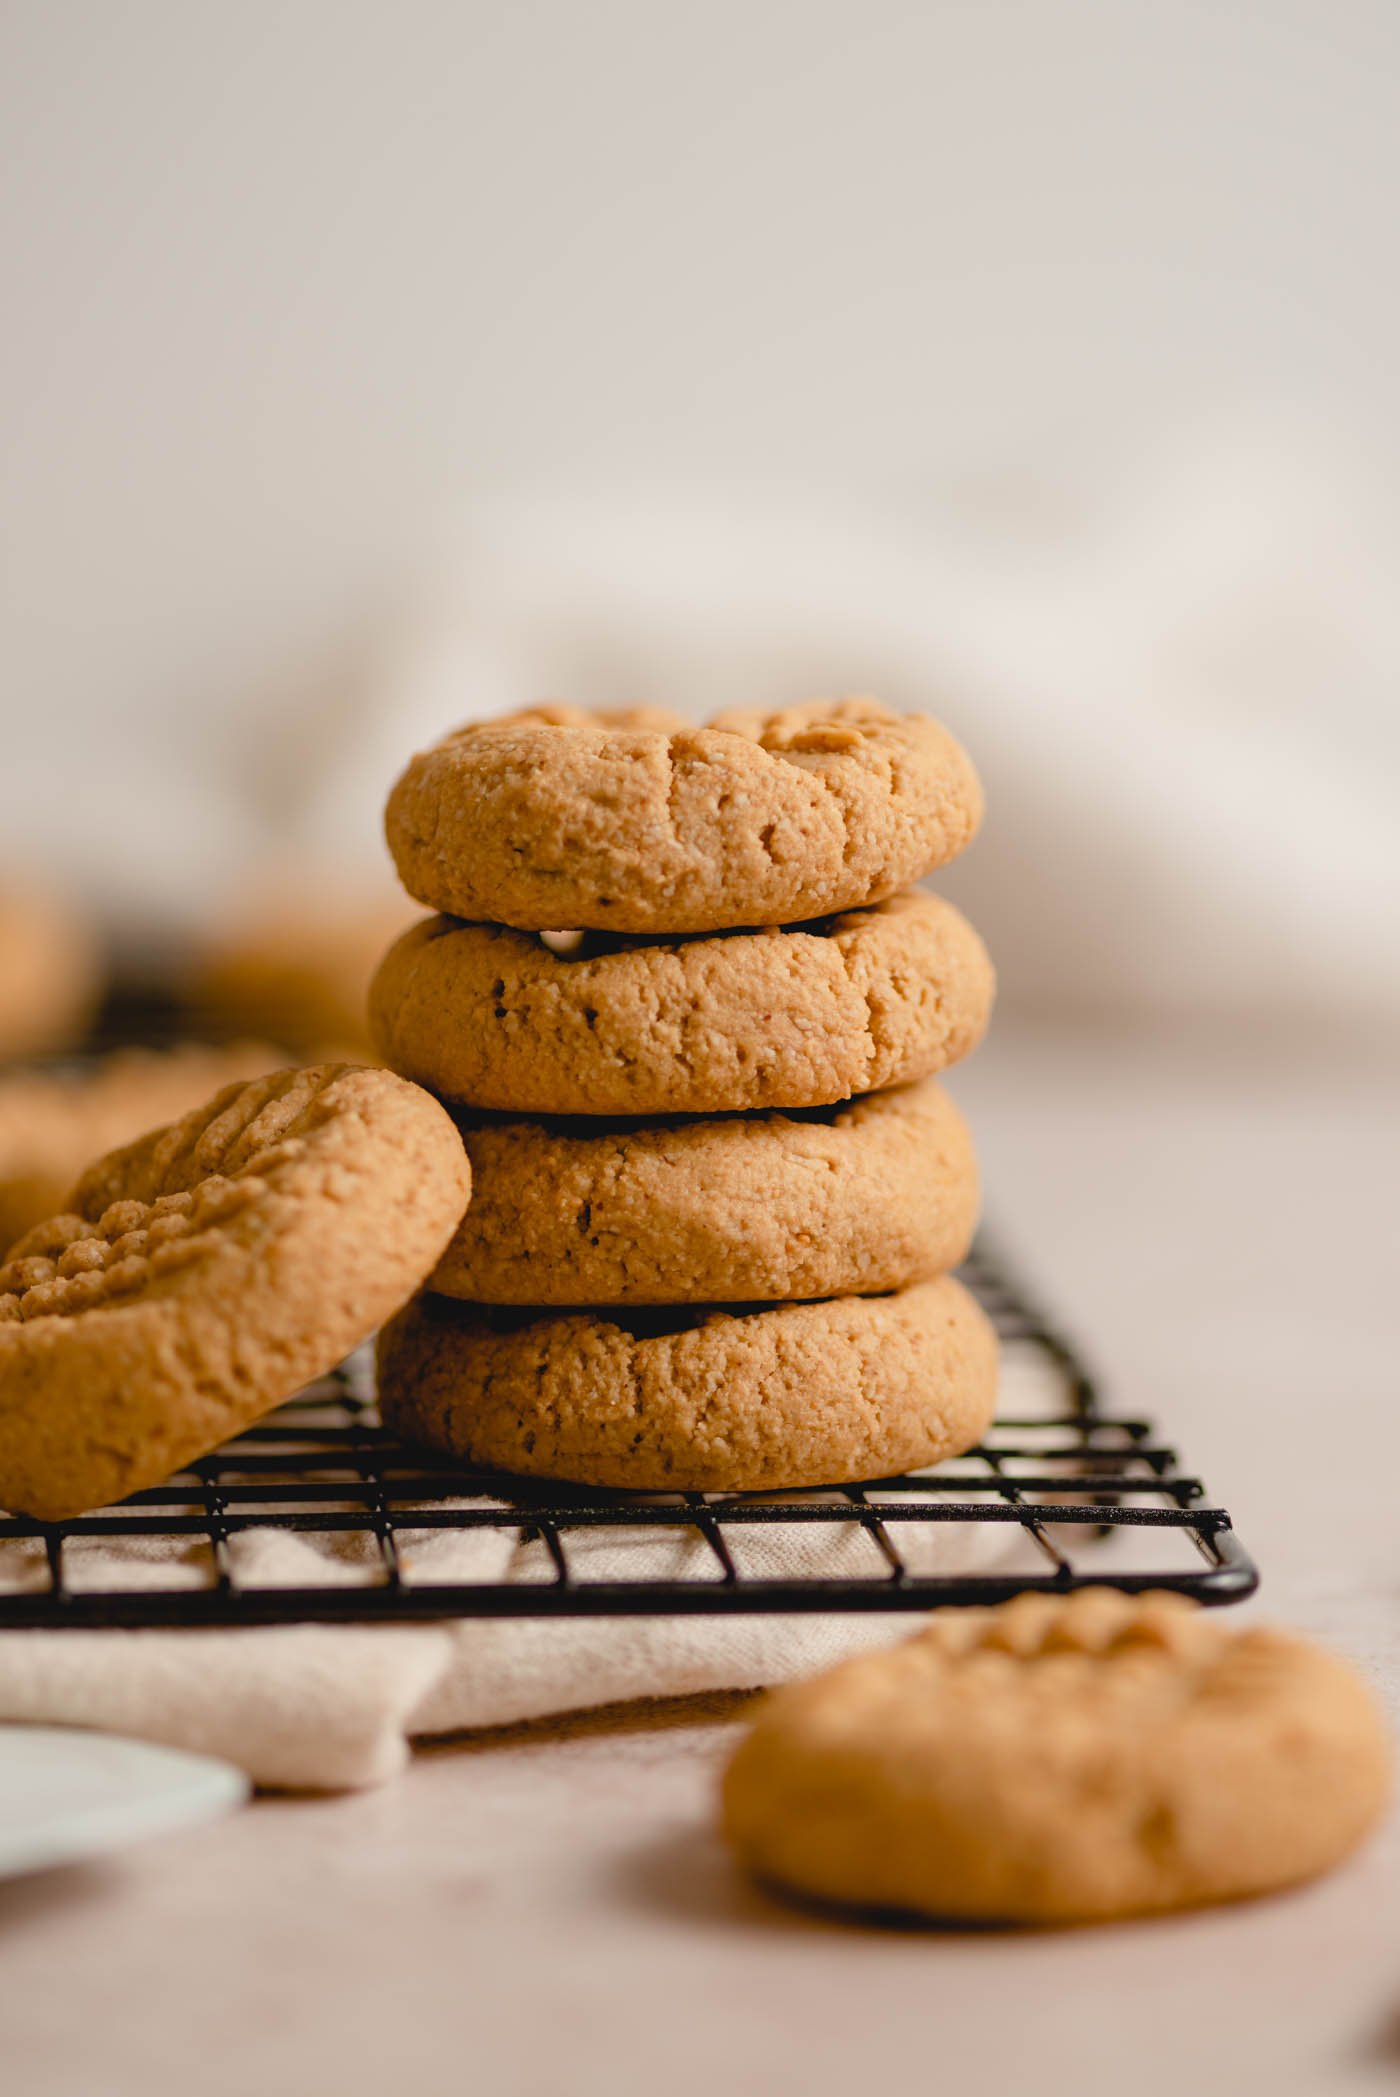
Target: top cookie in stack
pixel 637 822
pixel 653 920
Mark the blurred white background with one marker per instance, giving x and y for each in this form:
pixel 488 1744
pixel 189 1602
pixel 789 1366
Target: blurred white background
pixel 369 366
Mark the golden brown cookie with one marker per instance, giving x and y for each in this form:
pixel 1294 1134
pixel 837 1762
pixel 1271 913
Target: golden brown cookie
pixel 294 967
pixel 209 1270
pixel 50 974
pixel 53 1123
pixel 638 822
pixel 1062 1760
pixel 696 1400
pixel 854 1200
pixel 799 1018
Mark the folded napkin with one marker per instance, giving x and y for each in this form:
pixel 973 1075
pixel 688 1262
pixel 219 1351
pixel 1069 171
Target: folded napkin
pixel 330 1707
pixel 326 1707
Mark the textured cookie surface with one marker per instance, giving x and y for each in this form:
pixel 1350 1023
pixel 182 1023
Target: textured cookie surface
pixel 204 1273
pixel 54 1123
pixel 50 974
pixel 640 823
pixel 823 1202
pixel 494 1018
pixel 700 1400
pixel 1061 1760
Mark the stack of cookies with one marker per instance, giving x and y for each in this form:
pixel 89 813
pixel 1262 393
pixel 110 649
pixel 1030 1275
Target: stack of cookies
pixel 688 1010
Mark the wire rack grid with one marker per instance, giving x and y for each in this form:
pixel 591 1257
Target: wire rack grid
pixel 319 1515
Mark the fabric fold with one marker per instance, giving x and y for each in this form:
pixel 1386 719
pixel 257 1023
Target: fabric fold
pixel 334 1707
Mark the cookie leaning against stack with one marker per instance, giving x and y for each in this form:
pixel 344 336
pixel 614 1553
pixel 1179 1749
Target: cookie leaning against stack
pixel 204 1273
pixel 748 1286
pixel 53 1123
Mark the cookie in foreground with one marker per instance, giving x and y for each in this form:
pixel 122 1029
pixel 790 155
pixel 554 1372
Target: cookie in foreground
pixel 696 1399
pixel 1060 1760
pixel 801 1017
pixel 639 822
pixel 203 1274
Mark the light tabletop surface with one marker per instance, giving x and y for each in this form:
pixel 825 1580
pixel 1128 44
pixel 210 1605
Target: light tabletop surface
pixel 548 1910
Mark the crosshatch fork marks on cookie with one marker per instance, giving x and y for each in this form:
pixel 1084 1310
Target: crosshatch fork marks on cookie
pixel 318 1515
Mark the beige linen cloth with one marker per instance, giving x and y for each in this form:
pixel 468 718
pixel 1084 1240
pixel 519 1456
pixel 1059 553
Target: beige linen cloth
pixel 330 1707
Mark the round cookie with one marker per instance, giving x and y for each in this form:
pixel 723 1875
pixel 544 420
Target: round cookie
pixel 50 974
pixel 696 1399
pixel 53 1123
pixel 1061 1759
pixel 293 964
pixel 494 1018
pixel 855 1200
pixel 209 1270
pixel 639 822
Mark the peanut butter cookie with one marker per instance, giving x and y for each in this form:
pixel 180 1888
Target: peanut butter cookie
pixel 637 822
pixel 206 1272
pixel 699 1399
pixel 855 1200
pixel 50 974
pixel 489 1017
pixel 293 965
pixel 1062 1760
pixel 53 1123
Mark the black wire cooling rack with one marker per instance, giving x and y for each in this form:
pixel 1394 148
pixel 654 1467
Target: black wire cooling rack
pixel 319 1515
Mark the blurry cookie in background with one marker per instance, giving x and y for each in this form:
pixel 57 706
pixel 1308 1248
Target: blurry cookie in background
pixel 53 1124
pixel 292 963
pixel 51 972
